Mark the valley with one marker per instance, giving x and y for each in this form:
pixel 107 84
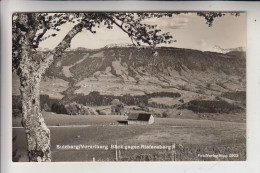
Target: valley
pixel 198 100
pixel 135 71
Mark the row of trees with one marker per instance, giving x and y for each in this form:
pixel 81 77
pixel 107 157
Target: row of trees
pixel 212 106
pixel 95 99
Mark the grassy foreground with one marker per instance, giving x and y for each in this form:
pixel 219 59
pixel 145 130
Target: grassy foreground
pixel 194 139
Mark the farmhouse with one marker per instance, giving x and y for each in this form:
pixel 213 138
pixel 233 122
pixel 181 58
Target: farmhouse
pixel 141 118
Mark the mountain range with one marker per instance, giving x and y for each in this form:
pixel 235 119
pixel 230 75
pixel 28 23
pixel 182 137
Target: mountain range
pixel 219 49
pixel 119 70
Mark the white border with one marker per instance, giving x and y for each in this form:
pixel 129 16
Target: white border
pixel 253 87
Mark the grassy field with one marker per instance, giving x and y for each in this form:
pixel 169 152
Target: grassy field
pixel 191 137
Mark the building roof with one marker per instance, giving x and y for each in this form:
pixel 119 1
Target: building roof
pixel 140 117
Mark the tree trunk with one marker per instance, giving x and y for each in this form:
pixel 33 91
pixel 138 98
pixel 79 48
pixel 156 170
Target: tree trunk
pixel 37 133
pixel 30 73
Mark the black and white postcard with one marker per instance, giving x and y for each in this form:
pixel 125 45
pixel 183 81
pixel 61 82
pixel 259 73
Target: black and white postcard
pixel 135 86
pixel 130 86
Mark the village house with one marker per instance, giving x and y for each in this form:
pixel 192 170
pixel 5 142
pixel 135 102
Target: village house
pixel 140 118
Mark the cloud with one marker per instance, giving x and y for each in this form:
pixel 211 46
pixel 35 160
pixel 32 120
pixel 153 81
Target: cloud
pixel 175 22
pixel 101 38
pixel 202 43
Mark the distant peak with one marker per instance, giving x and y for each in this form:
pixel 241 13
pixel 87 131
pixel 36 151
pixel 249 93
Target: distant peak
pixel 119 45
pixel 219 49
pixel 42 49
pixel 77 49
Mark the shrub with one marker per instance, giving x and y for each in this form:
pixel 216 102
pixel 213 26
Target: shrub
pixel 117 107
pixel 46 107
pixel 72 109
pixel 165 114
pixel 157 114
pixel 100 112
pixel 59 108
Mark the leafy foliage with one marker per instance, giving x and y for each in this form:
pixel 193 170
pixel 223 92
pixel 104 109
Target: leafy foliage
pixel 210 16
pixel 117 107
pixel 29 29
pixel 212 106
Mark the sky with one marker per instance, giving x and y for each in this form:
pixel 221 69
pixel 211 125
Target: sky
pixel 190 31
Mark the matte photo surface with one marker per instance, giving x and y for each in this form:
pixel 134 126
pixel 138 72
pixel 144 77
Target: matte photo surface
pixel 129 86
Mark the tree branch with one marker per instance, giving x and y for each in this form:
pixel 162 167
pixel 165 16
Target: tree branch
pixel 58 50
pixel 65 43
pixel 45 27
pixel 121 27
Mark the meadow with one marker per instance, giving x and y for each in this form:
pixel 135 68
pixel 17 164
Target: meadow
pixel 192 137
